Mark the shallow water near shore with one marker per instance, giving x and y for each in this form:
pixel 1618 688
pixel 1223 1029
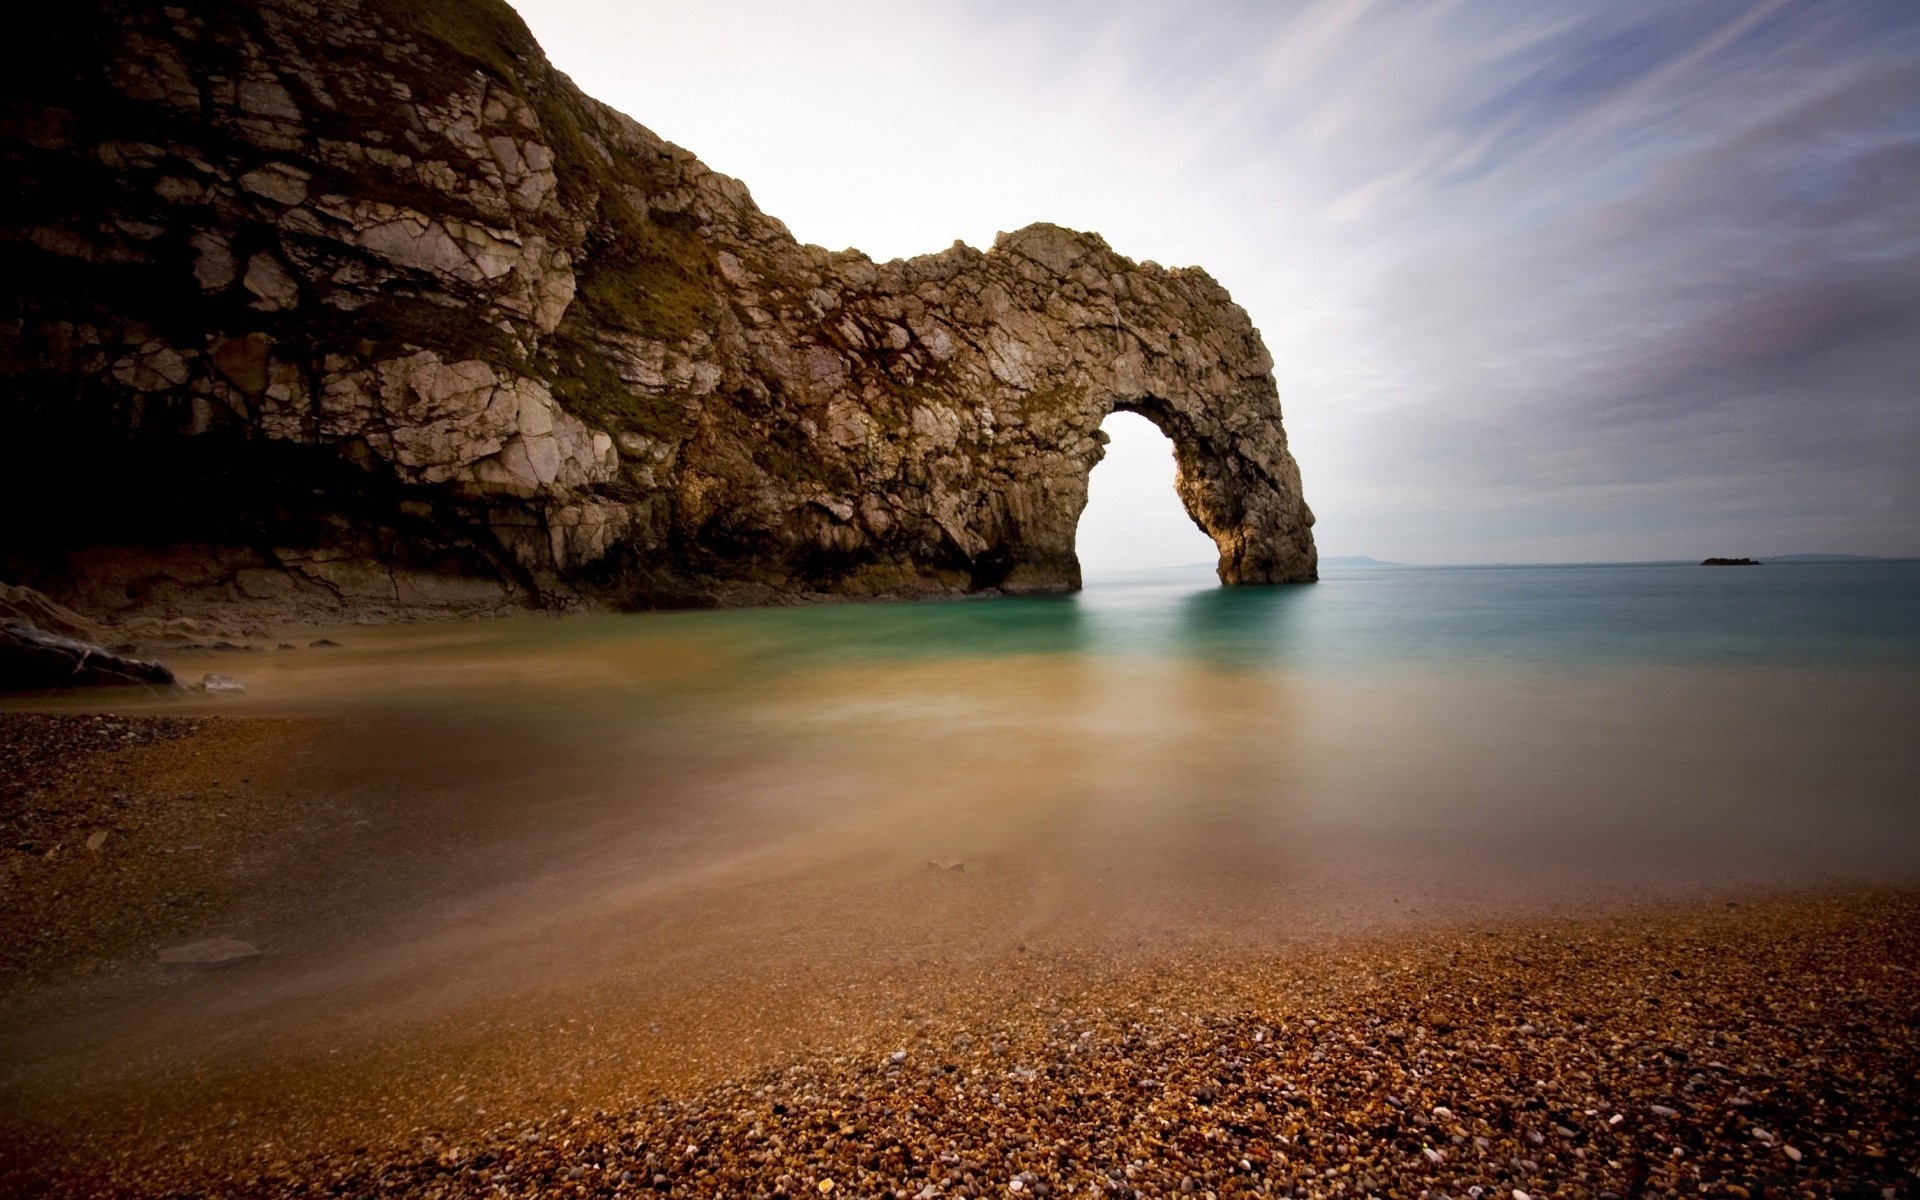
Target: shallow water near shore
pixel 591 852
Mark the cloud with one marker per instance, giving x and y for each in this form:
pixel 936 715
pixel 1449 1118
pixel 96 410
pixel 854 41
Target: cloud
pixel 1542 278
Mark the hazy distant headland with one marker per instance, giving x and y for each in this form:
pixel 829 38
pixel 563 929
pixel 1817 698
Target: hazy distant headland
pixel 380 316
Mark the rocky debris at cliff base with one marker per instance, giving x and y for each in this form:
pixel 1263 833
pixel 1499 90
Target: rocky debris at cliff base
pixel 33 660
pixel 20 603
pixel 181 633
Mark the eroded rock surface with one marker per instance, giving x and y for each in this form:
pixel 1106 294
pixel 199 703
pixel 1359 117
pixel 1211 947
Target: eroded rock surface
pixel 359 306
pixel 33 660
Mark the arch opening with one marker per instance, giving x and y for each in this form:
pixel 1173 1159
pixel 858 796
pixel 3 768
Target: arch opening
pixel 1134 519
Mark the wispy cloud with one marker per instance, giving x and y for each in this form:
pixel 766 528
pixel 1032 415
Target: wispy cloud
pixel 1543 279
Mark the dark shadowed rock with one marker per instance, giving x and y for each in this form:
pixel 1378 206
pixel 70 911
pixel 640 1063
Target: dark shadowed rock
pixel 33 660
pixel 25 604
pixel 359 306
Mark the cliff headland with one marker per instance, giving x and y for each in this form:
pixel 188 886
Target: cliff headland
pixel 360 308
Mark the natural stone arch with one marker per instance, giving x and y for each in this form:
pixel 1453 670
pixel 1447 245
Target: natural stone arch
pixel 1246 513
pixel 545 357
pixel 1067 332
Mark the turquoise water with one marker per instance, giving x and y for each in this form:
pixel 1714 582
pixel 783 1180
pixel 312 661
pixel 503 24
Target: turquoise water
pixel 1358 617
pixel 656 821
pixel 1506 735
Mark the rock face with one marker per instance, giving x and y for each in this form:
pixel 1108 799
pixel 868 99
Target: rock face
pixel 360 306
pixel 33 660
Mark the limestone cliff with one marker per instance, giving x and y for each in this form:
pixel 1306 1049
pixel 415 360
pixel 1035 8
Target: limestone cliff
pixel 359 305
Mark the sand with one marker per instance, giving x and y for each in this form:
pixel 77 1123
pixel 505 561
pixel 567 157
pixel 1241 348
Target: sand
pixel 1763 1045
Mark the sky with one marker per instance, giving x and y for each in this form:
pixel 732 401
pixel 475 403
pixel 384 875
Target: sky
pixel 1544 280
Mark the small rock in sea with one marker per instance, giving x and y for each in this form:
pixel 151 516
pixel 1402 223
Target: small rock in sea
pixel 96 840
pixel 221 685
pixel 284 646
pixel 209 952
pixel 322 644
pixel 1661 1110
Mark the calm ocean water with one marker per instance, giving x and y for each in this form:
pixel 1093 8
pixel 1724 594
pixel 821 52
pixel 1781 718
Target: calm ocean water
pixel 667 823
pixel 1380 617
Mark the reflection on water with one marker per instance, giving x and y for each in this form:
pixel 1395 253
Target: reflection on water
pixel 623 818
pixel 1380 618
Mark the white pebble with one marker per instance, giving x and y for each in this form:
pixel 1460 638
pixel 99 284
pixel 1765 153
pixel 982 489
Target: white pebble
pixel 1792 1153
pixel 1661 1110
pixel 1433 1156
pixel 1615 1119
pixel 1443 1112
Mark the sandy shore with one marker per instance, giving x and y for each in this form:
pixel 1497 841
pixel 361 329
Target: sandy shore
pixel 1768 1046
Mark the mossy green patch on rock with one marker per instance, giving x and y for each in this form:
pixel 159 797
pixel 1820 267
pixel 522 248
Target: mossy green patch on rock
pixel 651 275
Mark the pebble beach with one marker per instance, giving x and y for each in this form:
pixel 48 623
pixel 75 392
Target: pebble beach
pixel 1756 1051
pixel 1766 1045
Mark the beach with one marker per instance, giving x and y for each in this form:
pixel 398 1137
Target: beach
pixel 1764 1046
pixel 528 907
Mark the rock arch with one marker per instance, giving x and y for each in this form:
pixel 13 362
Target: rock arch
pixel 1063 332
pixel 542 356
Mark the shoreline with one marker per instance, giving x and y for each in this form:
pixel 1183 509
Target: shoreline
pixel 1763 1047
pixel 1784 1012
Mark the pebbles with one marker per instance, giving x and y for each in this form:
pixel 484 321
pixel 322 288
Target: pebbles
pixel 121 837
pixel 1784 1063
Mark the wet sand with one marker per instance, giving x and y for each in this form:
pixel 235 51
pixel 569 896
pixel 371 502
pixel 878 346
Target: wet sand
pixel 493 884
pixel 1765 1046
pixel 1744 1051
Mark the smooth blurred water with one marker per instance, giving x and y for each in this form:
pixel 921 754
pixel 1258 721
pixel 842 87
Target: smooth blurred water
pixel 1360 617
pixel 701 833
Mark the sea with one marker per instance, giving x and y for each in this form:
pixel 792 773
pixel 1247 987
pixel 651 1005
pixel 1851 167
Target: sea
pixel 595 850
pixel 1487 738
